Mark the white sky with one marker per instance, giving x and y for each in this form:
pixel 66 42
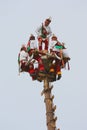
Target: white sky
pixel 21 105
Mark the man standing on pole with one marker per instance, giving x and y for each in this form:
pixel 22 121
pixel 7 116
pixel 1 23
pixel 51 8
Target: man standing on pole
pixel 43 34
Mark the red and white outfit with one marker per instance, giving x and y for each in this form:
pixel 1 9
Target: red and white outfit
pixel 23 60
pixel 42 40
pixel 33 46
pixel 56 52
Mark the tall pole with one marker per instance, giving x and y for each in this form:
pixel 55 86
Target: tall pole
pixel 50 108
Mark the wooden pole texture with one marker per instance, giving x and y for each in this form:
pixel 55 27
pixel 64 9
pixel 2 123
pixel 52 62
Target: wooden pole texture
pixel 50 108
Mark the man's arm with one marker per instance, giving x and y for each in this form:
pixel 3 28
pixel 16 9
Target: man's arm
pixel 49 32
pixel 38 31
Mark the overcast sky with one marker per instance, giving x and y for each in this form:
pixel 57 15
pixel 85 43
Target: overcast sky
pixel 21 104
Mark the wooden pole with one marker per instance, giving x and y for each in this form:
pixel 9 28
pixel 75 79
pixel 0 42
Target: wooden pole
pixel 50 108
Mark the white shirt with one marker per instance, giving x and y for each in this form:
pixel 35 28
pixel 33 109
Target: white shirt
pixel 52 46
pixel 39 30
pixel 33 44
pixel 23 55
